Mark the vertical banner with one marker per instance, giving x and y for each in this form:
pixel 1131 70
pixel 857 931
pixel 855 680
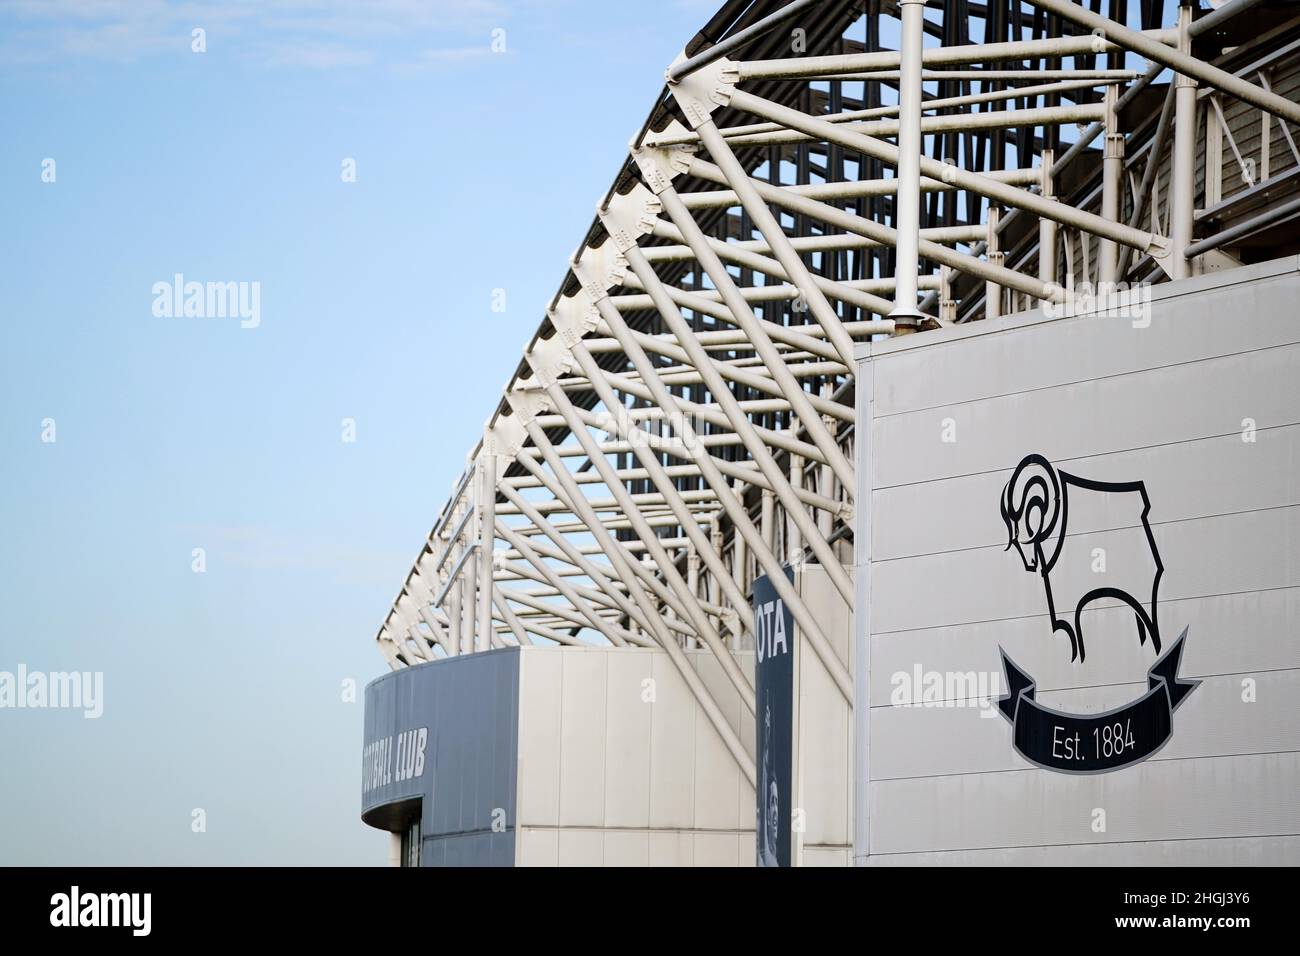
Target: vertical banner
pixel 774 689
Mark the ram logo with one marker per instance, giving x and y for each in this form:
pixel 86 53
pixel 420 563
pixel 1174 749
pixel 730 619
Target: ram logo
pixel 1036 507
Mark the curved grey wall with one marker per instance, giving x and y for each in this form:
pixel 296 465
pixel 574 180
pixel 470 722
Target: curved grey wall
pixel 446 734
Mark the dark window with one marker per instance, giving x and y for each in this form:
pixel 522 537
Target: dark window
pixel 411 844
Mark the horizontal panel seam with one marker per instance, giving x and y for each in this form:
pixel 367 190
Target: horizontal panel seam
pixel 1289 344
pixel 1158 758
pixel 1103 454
pixel 1095 531
pixel 1040 689
pixel 1029 617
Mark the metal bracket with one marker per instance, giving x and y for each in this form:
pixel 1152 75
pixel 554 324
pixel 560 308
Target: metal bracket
pixel 405 613
pixel 427 570
pixel 418 588
pixel 1162 252
pixel 731 618
pixel 386 634
pixel 598 269
pixel 592 273
pixel 660 165
pixel 502 443
pixel 527 403
pixel 399 632
pixel 1214 261
pixel 551 360
pixel 574 317
pixel 388 649
pixel 627 217
pixel 701 92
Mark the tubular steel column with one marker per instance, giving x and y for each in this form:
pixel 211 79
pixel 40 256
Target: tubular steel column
pixel 887 236
pixel 466 585
pixel 776 238
pixel 1112 183
pixel 1180 60
pixel 648 459
pixel 516 541
pixel 735 510
pixel 617 557
pixel 907 201
pixel 955 176
pixel 574 557
pixel 1047 227
pixel 486 499
pixel 454 616
pixel 993 291
pixel 511 618
pixel 737 417
pixel 697 616
pixel 748 322
pixel 1182 200
pixel 565 489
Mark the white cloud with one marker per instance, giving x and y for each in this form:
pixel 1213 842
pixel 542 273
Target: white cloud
pixel 316 56
pixel 260 548
pixel 314 34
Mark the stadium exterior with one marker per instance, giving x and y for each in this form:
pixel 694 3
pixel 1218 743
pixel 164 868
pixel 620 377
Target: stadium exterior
pixel 904 473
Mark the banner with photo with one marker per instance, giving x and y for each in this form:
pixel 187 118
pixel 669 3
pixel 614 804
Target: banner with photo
pixel 774 738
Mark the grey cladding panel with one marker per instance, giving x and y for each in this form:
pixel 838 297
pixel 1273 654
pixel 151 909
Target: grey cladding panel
pixel 469 707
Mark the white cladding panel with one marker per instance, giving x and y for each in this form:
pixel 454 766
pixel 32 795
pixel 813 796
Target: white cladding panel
pixel 619 766
pixel 823 734
pixel 609 777
pixel 1172 403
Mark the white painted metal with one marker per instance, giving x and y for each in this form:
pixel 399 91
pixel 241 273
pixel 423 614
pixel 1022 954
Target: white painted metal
pixel 1182 212
pixel 685 418
pixel 907 201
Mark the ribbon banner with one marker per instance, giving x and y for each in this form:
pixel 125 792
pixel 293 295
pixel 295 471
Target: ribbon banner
pixel 1095 743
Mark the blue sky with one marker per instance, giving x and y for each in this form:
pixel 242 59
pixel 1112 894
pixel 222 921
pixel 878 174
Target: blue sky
pixel 475 171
